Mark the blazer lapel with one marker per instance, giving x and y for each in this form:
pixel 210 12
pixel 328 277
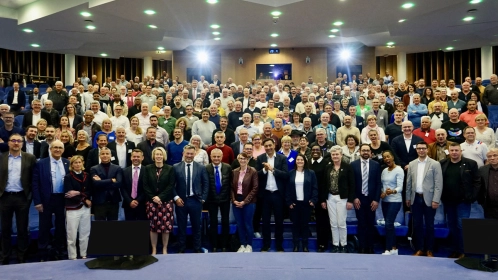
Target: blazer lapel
pixel 427 166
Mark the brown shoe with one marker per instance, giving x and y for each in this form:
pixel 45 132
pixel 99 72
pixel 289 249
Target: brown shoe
pixel 429 254
pixel 419 253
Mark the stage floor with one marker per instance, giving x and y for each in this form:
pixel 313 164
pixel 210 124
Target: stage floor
pixel 257 266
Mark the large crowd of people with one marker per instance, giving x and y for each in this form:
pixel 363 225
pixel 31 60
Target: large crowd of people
pixel 165 150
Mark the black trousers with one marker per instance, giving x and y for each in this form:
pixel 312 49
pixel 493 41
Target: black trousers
pixel 300 216
pixel 55 206
pixel 273 203
pixel 256 220
pixel 135 214
pixel 366 223
pixel 108 211
pixel 224 208
pixel 10 204
pixel 323 233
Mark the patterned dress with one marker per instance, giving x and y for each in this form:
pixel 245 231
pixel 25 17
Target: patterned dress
pixel 160 216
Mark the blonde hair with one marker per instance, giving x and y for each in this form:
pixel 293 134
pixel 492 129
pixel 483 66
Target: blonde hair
pixel 160 149
pixel 139 129
pixel 75 158
pixel 71 139
pixel 286 139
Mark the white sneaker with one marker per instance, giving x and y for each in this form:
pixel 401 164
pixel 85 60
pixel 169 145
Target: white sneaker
pixel 387 253
pixel 394 252
pixel 242 249
pixel 257 235
pixel 248 249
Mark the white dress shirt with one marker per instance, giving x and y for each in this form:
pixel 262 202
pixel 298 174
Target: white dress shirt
pixel 271 183
pixel 299 181
pixel 121 153
pixel 420 175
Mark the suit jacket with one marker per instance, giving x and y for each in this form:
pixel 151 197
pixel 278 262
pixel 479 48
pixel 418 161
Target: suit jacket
pixel 382 118
pixel 199 181
pixel 145 147
pixel 346 182
pixel 399 147
pixel 77 120
pixel 374 182
pixel 36 148
pixel 236 148
pixel 310 187
pixel 226 181
pixel 93 158
pixel 21 100
pixel 483 192
pixel 105 190
pixel 162 186
pixel 126 187
pixel 28 118
pixel 432 184
pixel 42 180
pixel 470 181
pixel 280 172
pixel 250 185
pixel 388 107
pixel 28 162
pixel 360 122
pixel 130 145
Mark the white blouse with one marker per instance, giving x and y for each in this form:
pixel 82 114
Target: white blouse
pixel 299 181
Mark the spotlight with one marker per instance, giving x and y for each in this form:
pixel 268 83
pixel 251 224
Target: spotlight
pixel 202 57
pixel 345 54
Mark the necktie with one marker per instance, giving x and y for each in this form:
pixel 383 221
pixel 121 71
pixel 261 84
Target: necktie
pixel 134 183
pixel 364 179
pixel 194 93
pixel 188 180
pixel 58 178
pixel 217 179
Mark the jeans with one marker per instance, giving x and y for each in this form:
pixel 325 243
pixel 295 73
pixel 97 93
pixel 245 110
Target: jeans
pixel 243 217
pixel 421 211
pixel 455 212
pixel 338 213
pixel 390 211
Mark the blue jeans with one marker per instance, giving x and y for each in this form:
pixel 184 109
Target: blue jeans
pixel 455 212
pixel 390 211
pixel 421 211
pixel 243 217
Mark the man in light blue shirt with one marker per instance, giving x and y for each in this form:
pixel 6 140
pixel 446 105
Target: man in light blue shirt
pixel 416 111
pixel 330 129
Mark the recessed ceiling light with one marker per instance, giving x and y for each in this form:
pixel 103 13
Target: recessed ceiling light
pixel 331 36
pixel 276 13
pixel 335 30
pixel 215 26
pixel 27 30
pixel 217 38
pixel 272 65
pixel 35 45
pixel 103 54
pixel 468 18
pixel 91 27
pixel 391 47
pixel 150 12
pixel 216 33
pixel 402 20
pixel 273 45
pixel 86 14
pixel 449 48
pixel 390 43
pixel 338 23
pixel 152 26
pixel 475 1
pixel 212 1
pixel 274 35
pixel 160 48
pixel 407 5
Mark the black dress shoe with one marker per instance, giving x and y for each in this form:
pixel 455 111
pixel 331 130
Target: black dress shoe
pixel 198 251
pixel 305 249
pixel 321 249
pixel 21 260
pixel 296 249
pixel 343 249
pixel 224 250
pixel 280 249
pixel 5 261
pixel 370 251
pixel 181 251
pixel 214 250
pixel 265 249
pixel 361 251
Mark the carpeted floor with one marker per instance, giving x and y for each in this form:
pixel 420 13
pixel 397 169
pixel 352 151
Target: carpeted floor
pixel 258 266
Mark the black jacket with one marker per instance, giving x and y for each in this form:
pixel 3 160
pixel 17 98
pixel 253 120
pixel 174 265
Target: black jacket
pixel 346 183
pixel 226 181
pixel 470 181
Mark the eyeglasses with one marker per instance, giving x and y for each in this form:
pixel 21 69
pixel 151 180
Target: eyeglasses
pixel 421 149
pixel 16 141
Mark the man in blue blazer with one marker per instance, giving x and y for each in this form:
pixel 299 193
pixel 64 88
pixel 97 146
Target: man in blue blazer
pixel 190 192
pixel 16 99
pixel 106 183
pixel 48 198
pixel 358 121
pixel 272 173
pixel 368 187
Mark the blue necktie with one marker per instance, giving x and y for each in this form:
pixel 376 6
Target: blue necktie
pixel 58 178
pixel 188 180
pixel 217 180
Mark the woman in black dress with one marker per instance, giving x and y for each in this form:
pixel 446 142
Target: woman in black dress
pixel 378 147
pixel 158 183
pixel 82 145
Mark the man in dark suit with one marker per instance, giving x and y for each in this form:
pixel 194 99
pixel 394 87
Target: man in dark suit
pixel 148 145
pixel 238 146
pixel 220 179
pixel 31 145
pixel 489 173
pixel 368 187
pixel 48 198
pixel 122 148
pixel 132 188
pixel 16 171
pixel 34 95
pixel 93 157
pixel 36 111
pixel 272 172
pixel 190 192
pixel 399 145
pixel 106 182
pixel 357 121
pixel 16 99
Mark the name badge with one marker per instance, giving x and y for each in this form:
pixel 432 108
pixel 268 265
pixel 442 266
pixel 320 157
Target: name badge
pixel 427 134
pixel 360 123
pixel 111 138
pixel 414 146
pixel 446 152
pixel 181 112
pixel 291 159
pixel 129 151
pixel 381 118
pixel 379 156
pixel 441 117
pixel 240 118
pixel 113 158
